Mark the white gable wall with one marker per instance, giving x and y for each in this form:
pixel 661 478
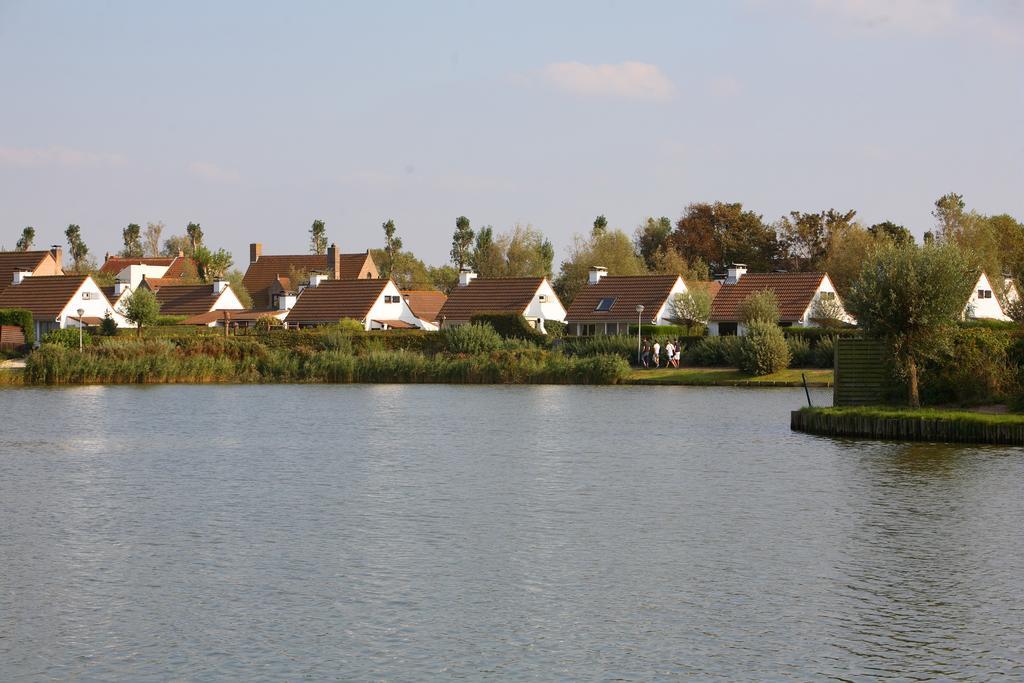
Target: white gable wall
pixel 987 307
pixel 398 309
pixel 665 312
pixel 91 300
pixel 825 286
pixel 549 309
pixel 133 274
pixel 227 301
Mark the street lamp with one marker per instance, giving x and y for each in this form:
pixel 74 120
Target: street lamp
pixel 81 312
pixel 639 311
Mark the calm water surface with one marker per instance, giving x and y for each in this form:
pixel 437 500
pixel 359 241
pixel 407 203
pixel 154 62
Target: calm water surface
pixel 543 533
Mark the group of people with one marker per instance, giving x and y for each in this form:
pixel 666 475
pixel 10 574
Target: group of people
pixel 650 353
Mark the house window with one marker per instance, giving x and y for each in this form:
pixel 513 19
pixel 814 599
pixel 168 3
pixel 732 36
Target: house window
pixel 728 329
pixel 611 328
pixel 828 296
pixel 984 293
pixel 388 299
pixel 605 304
pixel 586 329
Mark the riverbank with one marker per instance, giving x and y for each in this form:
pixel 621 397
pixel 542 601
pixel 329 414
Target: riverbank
pixel 731 377
pixel 927 424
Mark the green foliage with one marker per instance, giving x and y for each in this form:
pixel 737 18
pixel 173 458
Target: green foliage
pixel 234 278
pixel 67 337
pixel 23 319
pixel 763 349
pixel 721 234
pixel 555 329
pixel 318 237
pixel 461 241
pixel 108 326
pixel 350 326
pixel 692 307
pixel 800 352
pixel 824 353
pixel 714 352
pixel 612 249
pixel 163 320
pixel 471 339
pixel 132 237
pixel 622 346
pixel 266 323
pixel 195 237
pixel 142 309
pixel 28 235
pixel 521 252
pixel 981 366
pixel 76 248
pixel 666 331
pixel 210 264
pixel 508 325
pixel 762 306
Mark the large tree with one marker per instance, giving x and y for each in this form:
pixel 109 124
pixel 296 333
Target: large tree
pixel 912 297
pixel 392 246
pixel 142 309
pixel 210 264
pixel 612 249
pixel 152 238
pixel 462 240
pixel 949 213
pixel 132 237
pixel 600 226
pixel 177 244
pixel 28 235
pixel 318 237
pixel 805 236
pixel 195 237
pixel 404 268
pixel 77 248
pixel 652 237
pixel 895 232
pixel 487 258
pixel 721 234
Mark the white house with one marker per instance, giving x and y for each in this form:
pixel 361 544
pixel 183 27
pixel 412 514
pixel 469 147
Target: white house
pixel 801 297
pixel 983 303
pixel 532 297
pixel 59 301
pixel 377 304
pixel 189 300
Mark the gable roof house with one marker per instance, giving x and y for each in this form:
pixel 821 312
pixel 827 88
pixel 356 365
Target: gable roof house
pixel 532 297
pixel 607 305
pixel 425 304
pixel 267 277
pixel 983 304
pixel 156 269
pixel 54 301
pixel 189 300
pixel 32 262
pixel 118 294
pixel 798 295
pixel 377 304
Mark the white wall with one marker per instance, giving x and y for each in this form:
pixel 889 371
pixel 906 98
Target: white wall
pixel 393 311
pixel 551 309
pixel 666 308
pixel 133 274
pixel 825 286
pixel 227 301
pixel 988 308
pixel 93 302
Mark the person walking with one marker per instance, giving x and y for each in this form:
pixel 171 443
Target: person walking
pixel 657 353
pixel 670 354
pixel 645 353
pixel 679 353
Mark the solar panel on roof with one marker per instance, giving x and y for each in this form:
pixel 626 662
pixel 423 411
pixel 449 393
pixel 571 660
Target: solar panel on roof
pixel 605 304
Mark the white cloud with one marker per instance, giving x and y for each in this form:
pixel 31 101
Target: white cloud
pixel 634 80
pixel 212 172
pixel 56 155
pixel 926 17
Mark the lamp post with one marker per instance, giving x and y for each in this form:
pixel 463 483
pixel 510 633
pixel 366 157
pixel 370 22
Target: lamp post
pixel 81 312
pixel 639 311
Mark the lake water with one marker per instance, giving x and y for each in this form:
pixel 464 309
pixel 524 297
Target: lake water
pixel 540 533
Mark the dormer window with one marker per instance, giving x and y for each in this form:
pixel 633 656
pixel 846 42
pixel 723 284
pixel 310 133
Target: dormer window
pixel 605 304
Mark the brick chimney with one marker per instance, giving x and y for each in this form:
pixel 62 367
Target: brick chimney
pixel 334 262
pixel 255 251
pixel 58 254
pixel 465 277
pixel 595 274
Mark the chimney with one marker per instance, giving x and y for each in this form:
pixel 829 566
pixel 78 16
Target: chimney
pixel 466 276
pixel 316 277
pixel 596 273
pixel 20 275
pixel 736 271
pixel 106 257
pixel 120 287
pixel 334 262
pixel 219 285
pixel 58 254
pixel 255 251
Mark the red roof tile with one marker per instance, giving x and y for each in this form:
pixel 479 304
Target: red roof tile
pixel 32 261
pixel 794 291
pixel 44 295
pixel 265 271
pixel 185 299
pixel 332 300
pixel 425 303
pixel 490 295
pixel 626 292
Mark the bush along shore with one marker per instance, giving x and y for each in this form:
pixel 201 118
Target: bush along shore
pixel 911 425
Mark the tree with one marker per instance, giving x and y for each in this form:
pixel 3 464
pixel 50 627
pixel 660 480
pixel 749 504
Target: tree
pixel 762 306
pixel 462 238
pixel 600 226
pixel 76 247
pixel 318 237
pixel 668 261
pixel 404 268
pixel 897 233
pixel 912 297
pixel 392 246
pixel 177 244
pixel 949 214
pixel 234 278
pixel 443 278
pixel 152 238
pixel 132 237
pixel 527 253
pixel 487 259
pixel 28 235
pixel 652 237
pixel 142 309
pixel 805 236
pixel 721 234
pixel 211 264
pixel 692 307
pixel 195 237
pixel 847 250
pixel 612 249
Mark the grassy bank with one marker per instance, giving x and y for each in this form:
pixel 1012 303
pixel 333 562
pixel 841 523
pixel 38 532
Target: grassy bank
pixel 927 424
pixel 730 377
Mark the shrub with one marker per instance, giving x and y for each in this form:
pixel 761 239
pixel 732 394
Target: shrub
pixel 349 326
pixel 983 365
pixel 108 326
pixel 824 353
pixel 266 323
pixel 800 352
pixel 762 306
pixel 23 319
pixel 68 338
pixel 714 352
pixel 471 339
pixel 508 325
pixel 555 329
pixel 614 345
pixel 763 350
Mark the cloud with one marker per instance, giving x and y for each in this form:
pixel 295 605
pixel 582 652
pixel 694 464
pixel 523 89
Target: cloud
pixel 725 86
pixel 212 172
pixel 56 155
pixel 926 17
pixel 632 80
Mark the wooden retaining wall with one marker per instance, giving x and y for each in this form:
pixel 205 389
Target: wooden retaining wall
pixel 906 428
pixel 860 374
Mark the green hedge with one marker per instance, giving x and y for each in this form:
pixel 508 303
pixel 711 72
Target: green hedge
pixel 663 331
pixel 23 319
pixel 508 325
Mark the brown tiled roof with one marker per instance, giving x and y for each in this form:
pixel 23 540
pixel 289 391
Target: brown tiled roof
pixel 425 303
pixel 262 274
pixel 794 291
pixel 109 293
pixel 44 295
pixel 397 324
pixel 115 264
pixel 628 291
pixel 185 299
pixel 712 287
pixel 332 300
pixel 211 316
pixel 490 295
pixel 11 261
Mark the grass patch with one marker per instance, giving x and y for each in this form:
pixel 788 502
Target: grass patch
pixel 729 377
pixel 888 412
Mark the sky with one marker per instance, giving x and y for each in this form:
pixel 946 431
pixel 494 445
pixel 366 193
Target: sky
pixel 254 119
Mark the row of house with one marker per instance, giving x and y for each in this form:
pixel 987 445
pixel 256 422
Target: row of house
pixel 306 290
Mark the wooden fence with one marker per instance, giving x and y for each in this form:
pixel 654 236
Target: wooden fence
pixel 11 338
pixel 908 428
pixel 860 372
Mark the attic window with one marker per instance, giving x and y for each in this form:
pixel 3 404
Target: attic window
pixel 605 304
pixel 984 293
